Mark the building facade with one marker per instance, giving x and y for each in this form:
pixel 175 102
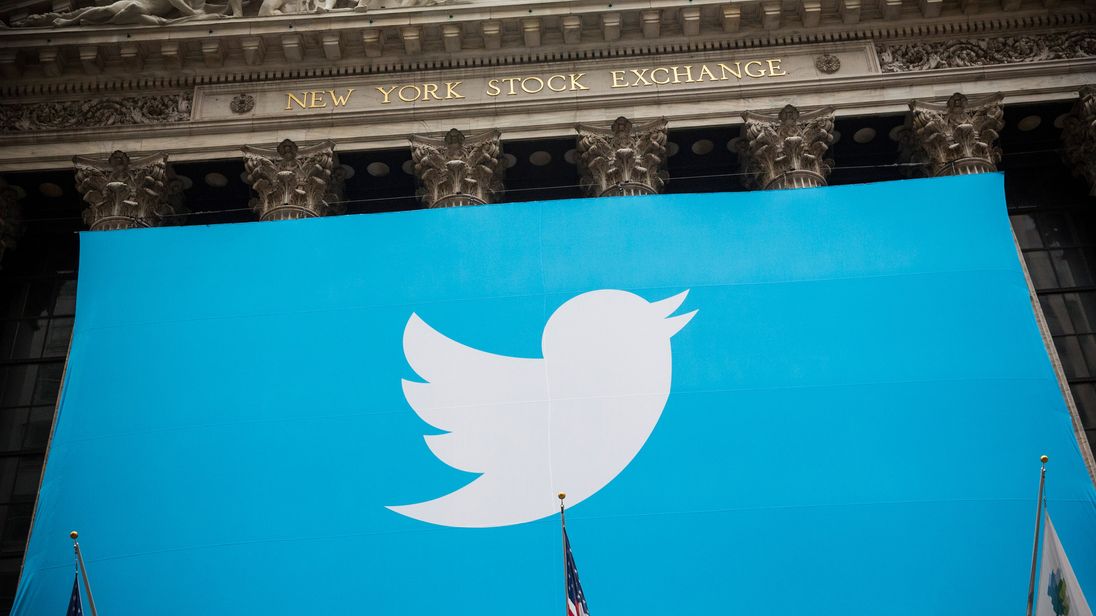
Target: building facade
pixel 161 112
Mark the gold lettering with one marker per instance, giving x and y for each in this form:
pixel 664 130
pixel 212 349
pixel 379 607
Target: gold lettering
pixel 774 65
pixel 559 89
pixel 315 99
pixel 704 70
pixel 537 80
pixel 688 74
pixel 493 88
pixel 736 71
pixel 414 98
pixel 640 79
pixel 512 80
pixel 747 69
pixel 618 79
pixel 386 93
pixel 290 99
pixel 428 89
pixel 451 90
pixel 575 85
pixel 665 70
pixel 341 101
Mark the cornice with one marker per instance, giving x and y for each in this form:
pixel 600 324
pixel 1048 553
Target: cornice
pixel 53 61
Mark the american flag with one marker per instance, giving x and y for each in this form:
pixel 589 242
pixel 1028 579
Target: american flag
pixel 576 601
pixel 75 609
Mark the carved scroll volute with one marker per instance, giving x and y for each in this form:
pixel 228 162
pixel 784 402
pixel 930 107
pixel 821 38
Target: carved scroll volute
pixel 624 159
pixel 958 137
pixel 786 150
pixel 1079 137
pixel 122 193
pixel 11 220
pixel 458 170
pixel 292 182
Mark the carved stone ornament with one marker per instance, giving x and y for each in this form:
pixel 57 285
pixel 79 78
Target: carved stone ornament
pixel 458 170
pixel 134 12
pixel 827 63
pixel 11 221
pixel 624 159
pixel 786 150
pixel 95 113
pixel 958 137
pixel 123 193
pixel 292 182
pixel 927 56
pixel 242 103
pixel 1079 137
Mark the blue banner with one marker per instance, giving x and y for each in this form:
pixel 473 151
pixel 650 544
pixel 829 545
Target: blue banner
pixel 824 401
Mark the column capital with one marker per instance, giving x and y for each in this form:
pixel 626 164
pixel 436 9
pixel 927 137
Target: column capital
pixel 457 169
pixel 623 159
pixel 1079 137
pixel 958 137
pixel 124 193
pixel 292 182
pixel 11 219
pixel 787 149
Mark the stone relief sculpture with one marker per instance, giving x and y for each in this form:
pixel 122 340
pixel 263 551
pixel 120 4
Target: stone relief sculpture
pixel 159 12
pixel 135 12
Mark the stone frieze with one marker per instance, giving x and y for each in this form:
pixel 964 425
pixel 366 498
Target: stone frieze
pixel 95 113
pixel 959 53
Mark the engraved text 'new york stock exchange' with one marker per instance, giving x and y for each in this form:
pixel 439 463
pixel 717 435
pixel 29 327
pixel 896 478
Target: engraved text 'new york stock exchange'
pixel 532 85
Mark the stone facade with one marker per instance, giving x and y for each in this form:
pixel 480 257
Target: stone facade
pixel 123 193
pixel 957 137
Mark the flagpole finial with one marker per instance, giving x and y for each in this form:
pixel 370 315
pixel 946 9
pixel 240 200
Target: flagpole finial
pixel 562 495
pixel 74 535
pixel 1043 459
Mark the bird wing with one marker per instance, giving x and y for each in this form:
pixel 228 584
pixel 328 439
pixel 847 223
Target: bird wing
pixel 485 402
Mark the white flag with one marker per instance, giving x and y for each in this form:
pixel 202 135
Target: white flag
pixel 1058 592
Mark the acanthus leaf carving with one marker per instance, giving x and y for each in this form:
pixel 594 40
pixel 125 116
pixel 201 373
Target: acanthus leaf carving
pixel 292 182
pixel 95 113
pixel 960 53
pixel 787 150
pixel 1079 137
pixel 458 170
pixel 124 193
pixel 624 159
pixel 958 137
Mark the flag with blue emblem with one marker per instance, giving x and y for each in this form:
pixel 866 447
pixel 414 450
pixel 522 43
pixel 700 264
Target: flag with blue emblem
pixel 1059 590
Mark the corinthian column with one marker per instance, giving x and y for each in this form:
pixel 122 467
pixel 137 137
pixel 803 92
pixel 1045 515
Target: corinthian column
pixel 292 182
pixel 458 170
pixel 956 138
pixel 1079 137
pixel 122 193
pixel 11 221
pixel 787 150
pixel 624 159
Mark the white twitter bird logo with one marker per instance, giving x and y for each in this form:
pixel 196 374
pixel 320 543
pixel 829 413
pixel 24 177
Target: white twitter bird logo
pixel 535 427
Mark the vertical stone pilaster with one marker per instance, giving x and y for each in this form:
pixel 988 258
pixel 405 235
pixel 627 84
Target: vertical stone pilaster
pixel 292 182
pixel 124 193
pixel 624 159
pixel 11 219
pixel 958 137
pixel 786 150
pixel 1079 137
pixel 458 170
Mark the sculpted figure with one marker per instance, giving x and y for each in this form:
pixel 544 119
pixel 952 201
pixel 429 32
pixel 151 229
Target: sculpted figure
pixel 141 12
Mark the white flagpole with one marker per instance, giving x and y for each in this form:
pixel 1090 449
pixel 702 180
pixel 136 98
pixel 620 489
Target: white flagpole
pixel 1038 527
pixel 83 571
